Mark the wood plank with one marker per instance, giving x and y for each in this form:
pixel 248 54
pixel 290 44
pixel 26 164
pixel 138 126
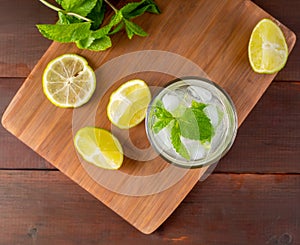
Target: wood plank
pixel 269 140
pixel 13 153
pixel 48 130
pixel 21 45
pixel 40 207
pixel 271 131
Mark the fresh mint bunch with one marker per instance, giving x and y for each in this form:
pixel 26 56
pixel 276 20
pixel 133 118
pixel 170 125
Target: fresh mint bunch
pixel 192 123
pixel 80 21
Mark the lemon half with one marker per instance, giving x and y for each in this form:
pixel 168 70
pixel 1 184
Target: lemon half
pixel 128 104
pixel 68 81
pixel 267 49
pixel 99 147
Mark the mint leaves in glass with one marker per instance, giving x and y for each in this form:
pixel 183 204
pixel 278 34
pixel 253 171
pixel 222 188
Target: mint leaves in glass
pixel 192 122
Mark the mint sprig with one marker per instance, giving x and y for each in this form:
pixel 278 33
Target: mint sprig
pixel 81 21
pixel 192 123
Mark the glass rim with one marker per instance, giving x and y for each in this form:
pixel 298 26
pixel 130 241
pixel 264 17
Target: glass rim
pixel 221 150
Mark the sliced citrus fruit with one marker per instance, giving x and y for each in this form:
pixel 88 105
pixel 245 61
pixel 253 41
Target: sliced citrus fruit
pixel 267 48
pixel 99 147
pixel 128 104
pixel 68 81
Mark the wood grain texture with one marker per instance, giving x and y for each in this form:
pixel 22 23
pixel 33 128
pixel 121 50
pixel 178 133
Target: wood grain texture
pixel 227 27
pixel 21 46
pixel 269 140
pixel 271 131
pixel 225 209
pixel 14 154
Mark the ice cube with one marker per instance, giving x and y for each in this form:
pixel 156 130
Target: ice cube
pixel 194 147
pixel 199 94
pixel 217 139
pixel 212 112
pixel 171 101
pixel 163 138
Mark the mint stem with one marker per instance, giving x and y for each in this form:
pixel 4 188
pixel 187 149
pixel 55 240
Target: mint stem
pixel 49 5
pixel 112 6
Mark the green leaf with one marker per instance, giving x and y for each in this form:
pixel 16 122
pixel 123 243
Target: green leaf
pixel 133 29
pixel 188 125
pixel 65 32
pixel 116 19
pixel 67 19
pixel 81 7
pixel 97 40
pixel 195 124
pixel 161 116
pixel 85 43
pixel 117 28
pixel 206 128
pixel 101 32
pixel 160 124
pixel 79 21
pixel 101 44
pixel 198 105
pixel 160 111
pixel 133 10
pixel 97 15
pixel 177 143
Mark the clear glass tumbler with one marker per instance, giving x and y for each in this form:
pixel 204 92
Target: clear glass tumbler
pixel 192 122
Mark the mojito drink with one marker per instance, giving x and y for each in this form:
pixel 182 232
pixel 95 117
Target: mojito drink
pixel 192 122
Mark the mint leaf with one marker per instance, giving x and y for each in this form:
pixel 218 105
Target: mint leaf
pixel 116 19
pixel 189 125
pixel 159 125
pixel 97 40
pixel 97 15
pixel 65 32
pixel 101 32
pixel 117 28
pixel 95 44
pixel 177 143
pixel 133 29
pixel 160 112
pixel 81 7
pixel 133 10
pixel 85 43
pixel 67 19
pixel 205 126
pixel 195 124
pixel 79 21
pixel 100 44
pixel 198 105
pixel 162 117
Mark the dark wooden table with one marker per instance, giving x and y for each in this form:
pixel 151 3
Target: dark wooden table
pixel 253 196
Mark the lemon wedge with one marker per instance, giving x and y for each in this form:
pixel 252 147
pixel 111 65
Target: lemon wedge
pixel 99 147
pixel 128 104
pixel 68 81
pixel 267 48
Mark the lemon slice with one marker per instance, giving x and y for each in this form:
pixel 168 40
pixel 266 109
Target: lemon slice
pixel 99 147
pixel 128 104
pixel 68 81
pixel 267 49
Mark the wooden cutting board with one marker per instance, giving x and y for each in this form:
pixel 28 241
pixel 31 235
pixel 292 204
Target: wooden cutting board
pixel 212 34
